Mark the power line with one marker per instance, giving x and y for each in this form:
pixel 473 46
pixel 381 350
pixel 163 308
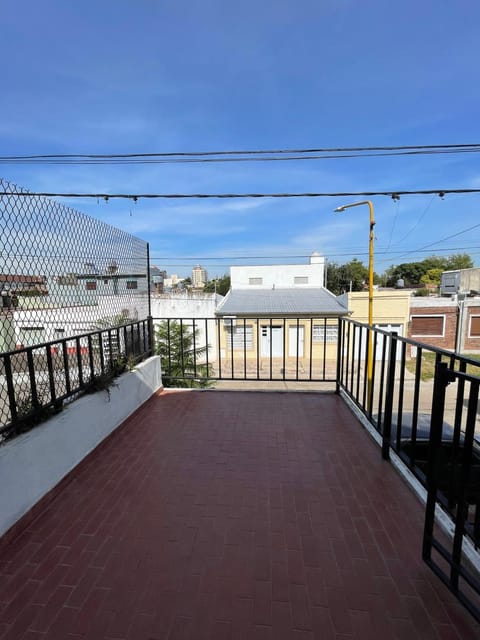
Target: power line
pixel 171 196
pixel 196 160
pixel 428 147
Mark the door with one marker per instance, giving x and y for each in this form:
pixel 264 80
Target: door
pixel 296 341
pixel 272 337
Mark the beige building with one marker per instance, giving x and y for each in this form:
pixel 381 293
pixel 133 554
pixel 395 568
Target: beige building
pixel 391 309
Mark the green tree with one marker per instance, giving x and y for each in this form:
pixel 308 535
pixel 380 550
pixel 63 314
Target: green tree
pixel 221 285
pixel 459 261
pixel 432 276
pixel 339 277
pixel 413 272
pixel 177 346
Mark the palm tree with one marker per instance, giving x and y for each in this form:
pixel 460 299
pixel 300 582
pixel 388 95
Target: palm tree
pixel 177 346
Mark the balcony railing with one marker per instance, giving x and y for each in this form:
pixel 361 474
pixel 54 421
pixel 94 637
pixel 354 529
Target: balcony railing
pixel 40 379
pixel 282 349
pixel 423 402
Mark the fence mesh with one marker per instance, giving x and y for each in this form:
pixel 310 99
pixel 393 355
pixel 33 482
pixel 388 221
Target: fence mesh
pixel 62 274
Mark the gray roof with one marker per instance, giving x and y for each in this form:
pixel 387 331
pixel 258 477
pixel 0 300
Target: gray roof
pixel 265 302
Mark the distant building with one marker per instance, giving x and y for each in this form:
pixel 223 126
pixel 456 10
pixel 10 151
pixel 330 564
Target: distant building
pixel 199 277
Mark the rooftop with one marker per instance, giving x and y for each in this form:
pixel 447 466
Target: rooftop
pixel 307 300
pixel 229 515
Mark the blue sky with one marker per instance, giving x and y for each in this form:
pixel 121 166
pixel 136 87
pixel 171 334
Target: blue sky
pixel 118 76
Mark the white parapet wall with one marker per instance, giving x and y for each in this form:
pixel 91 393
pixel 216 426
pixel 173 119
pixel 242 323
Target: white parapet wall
pixel 35 462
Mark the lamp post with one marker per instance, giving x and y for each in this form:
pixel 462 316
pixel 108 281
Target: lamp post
pixel 370 293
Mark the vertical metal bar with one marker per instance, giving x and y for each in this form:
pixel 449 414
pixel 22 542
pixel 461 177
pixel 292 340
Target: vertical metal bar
pixel 365 372
pixel 136 327
pixel 66 367
pixel 434 446
pixel 457 428
pixel 31 375
pixel 7 363
pixel 462 508
pixel 90 356
pixel 258 350
pixel 284 347
pixel 360 344
pixel 244 349
pixel 373 338
pixel 218 320
pixel 78 349
pixel 352 372
pixel 324 364
pixel 231 350
pixel 194 330
pixel 51 376
pixel 311 352
pixel 271 340
pixel 349 326
pixel 182 348
pixel 389 396
pixel 207 347
pixel 416 396
pixel 401 389
pixel 110 347
pixel 382 386
pixel 100 349
pixel 169 349
pixel 298 345
pixel 340 330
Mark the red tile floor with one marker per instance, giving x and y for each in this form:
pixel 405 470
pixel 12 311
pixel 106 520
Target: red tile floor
pixel 229 515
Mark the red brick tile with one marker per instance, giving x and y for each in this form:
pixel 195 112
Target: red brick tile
pixel 300 607
pixel 229 523
pixel 338 610
pixel 262 603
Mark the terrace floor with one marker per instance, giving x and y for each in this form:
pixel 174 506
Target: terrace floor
pixel 229 515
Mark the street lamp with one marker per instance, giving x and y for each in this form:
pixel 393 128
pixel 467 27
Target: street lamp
pixel 370 292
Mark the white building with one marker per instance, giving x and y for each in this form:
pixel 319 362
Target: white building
pixel 199 277
pixel 280 276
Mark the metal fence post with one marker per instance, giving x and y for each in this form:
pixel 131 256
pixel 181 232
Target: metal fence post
pixel 339 352
pixel 389 395
pixel 436 427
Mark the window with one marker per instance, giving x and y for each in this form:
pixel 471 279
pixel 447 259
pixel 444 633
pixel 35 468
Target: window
pixel 91 286
pixel 255 281
pixel 474 327
pixel 300 280
pixel 132 284
pixel 428 326
pixel 325 333
pixel 242 336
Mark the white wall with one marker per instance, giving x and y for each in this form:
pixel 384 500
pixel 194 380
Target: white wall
pixel 279 275
pixel 188 305
pixel 34 462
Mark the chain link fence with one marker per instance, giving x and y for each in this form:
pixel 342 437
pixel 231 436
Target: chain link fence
pixel 74 298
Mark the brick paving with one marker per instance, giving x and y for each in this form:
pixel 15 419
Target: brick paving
pixel 229 515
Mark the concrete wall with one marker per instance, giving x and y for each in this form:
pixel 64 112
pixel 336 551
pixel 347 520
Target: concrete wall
pixel 33 463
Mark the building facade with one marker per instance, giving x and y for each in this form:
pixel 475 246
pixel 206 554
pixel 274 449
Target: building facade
pixel 199 277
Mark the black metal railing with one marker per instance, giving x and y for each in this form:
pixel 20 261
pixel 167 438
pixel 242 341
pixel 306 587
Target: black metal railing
pixel 199 351
pixel 39 379
pixel 423 402
pixel 453 481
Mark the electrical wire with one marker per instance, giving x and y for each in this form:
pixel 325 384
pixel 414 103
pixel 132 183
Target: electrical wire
pixel 171 196
pixel 195 160
pixel 432 147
